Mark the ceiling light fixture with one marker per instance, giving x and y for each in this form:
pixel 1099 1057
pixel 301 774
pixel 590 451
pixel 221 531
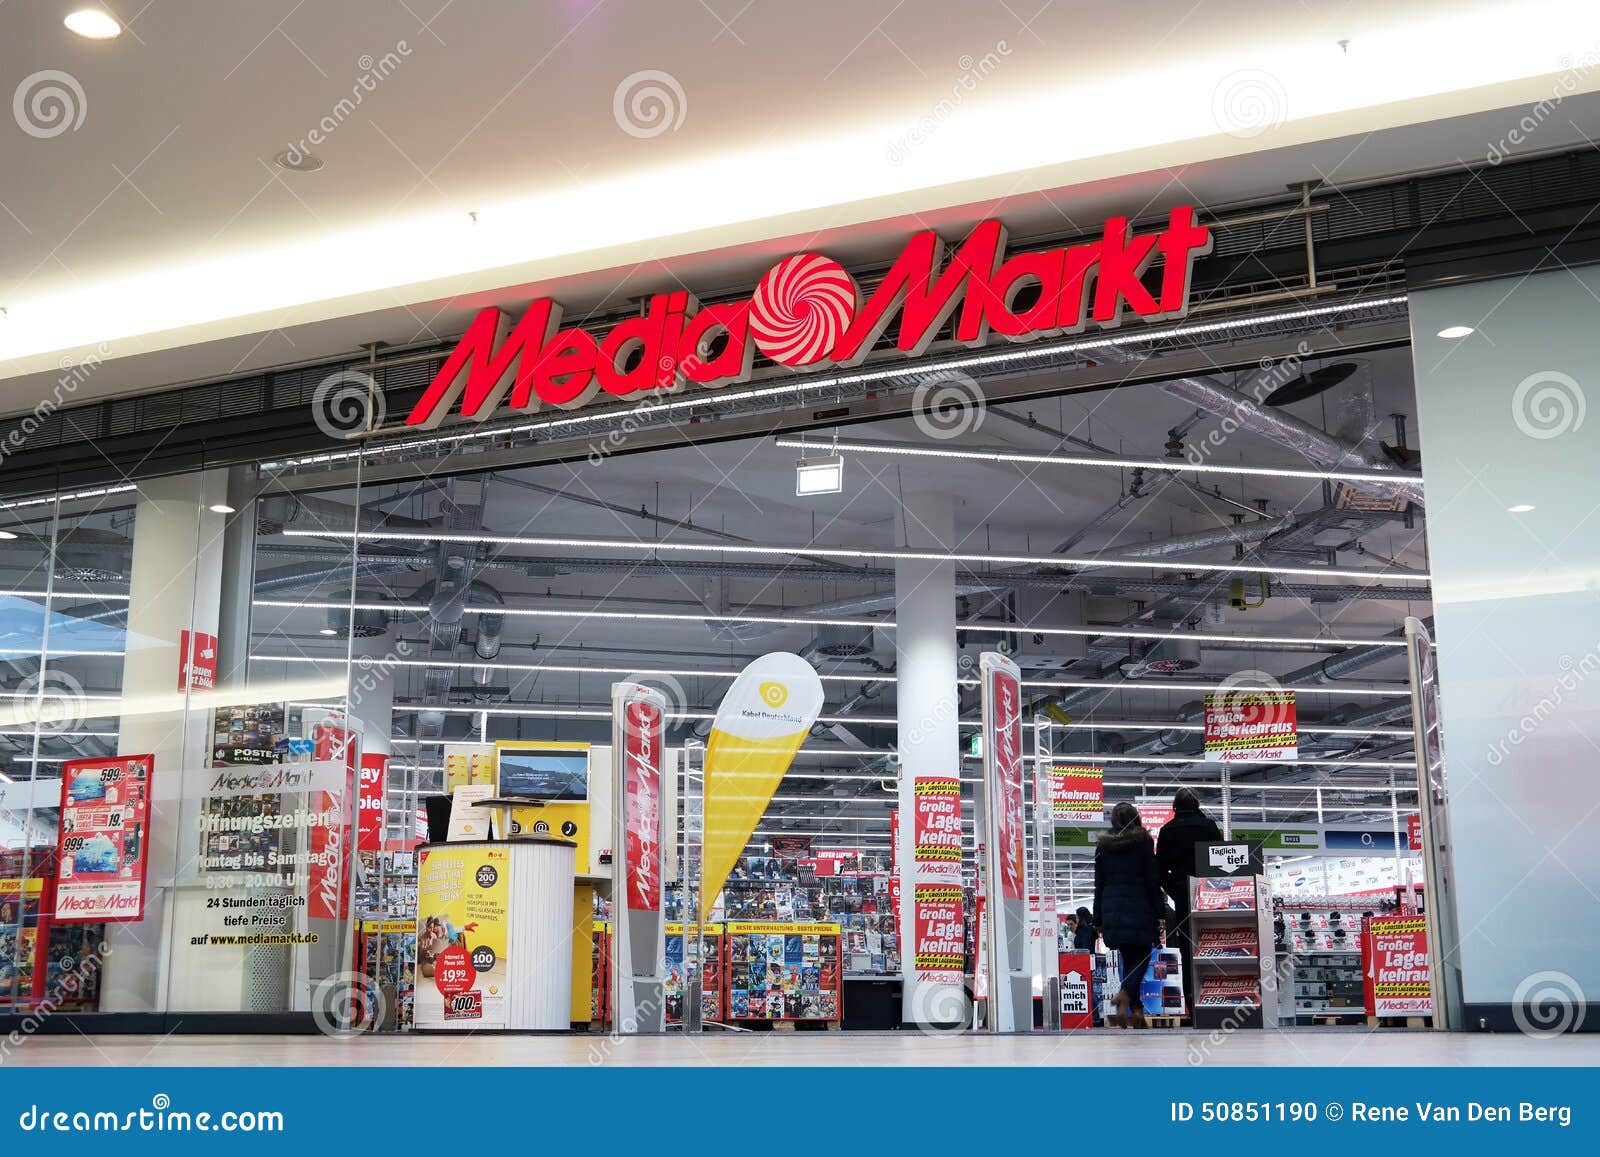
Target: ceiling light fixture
pixel 818 476
pixel 1452 332
pixel 1245 641
pixel 1167 464
pixel 7 535
pixel 93 24
pixel 297 161
pixel 1520 508
pixel 324 631
pixel 985 558
pixel 220 508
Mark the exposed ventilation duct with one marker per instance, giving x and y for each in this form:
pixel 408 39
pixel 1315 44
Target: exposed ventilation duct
pixel 1168 657
pixel 1315 445
pixel 843 642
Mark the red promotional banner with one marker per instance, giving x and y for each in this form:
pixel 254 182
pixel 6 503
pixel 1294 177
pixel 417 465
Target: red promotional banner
pixel 894 866
pixel 1076 970
pixel 940 931
pixel 370 799
pixel 103 844
pixel 1005 722
pixel 197 661
pixel 329 868
pixel 1153 815
pixel 1414 831
pixel 1077 793
pixel 1251 725
pixel 1394 966
pixel 936 827
pixel 642 722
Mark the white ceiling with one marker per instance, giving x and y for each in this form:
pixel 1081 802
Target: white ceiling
pixel 160 223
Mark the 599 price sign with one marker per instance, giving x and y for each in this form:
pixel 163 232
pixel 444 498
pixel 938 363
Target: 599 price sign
pixel 104 840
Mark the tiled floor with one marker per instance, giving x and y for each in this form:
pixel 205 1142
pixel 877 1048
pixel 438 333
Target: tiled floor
pixel 1337 1047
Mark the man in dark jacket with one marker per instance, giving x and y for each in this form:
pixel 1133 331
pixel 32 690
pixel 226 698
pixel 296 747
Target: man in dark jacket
pixel 1175 845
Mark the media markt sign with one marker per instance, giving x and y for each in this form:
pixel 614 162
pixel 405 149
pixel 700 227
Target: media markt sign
pixel 808 312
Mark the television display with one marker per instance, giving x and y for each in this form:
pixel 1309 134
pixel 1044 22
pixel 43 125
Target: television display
pixel 546 775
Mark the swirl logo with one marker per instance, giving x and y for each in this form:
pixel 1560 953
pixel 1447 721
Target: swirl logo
pixel 801 308
pixel 1548 404
pixel 1236 688
pixel 774 694
pixel 671 690
pixel 161 1101
pixel 347 403
pixel 56 698
pixel 346 1003
pixel 1548 1004
pixel 649 103
pixel 1248 103
pixel 941 1009
pixel 49 103
pixel 948 406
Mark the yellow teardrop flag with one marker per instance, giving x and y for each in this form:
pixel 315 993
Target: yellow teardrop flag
pixel 763 719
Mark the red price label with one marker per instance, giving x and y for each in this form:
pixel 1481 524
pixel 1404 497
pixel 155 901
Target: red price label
pixel 453 972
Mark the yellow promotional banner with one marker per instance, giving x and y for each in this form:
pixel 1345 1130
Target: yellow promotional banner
pixel 763 719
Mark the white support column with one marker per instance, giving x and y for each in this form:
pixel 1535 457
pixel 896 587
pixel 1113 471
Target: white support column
pixel 927 709
pixel 176 585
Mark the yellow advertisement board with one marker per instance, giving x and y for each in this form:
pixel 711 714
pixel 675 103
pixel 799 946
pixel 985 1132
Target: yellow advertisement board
pixel 463 919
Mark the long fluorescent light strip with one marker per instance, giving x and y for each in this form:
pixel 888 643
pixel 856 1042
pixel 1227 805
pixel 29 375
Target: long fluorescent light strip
pixel 70 496
pixel 1062 459
pixel 801 621
pixel 655 546
pixel 910 369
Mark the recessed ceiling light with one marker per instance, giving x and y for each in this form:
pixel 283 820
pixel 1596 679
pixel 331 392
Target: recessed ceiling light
pixel 7 535
pixel 93 24
pixel 1520 508
pixel 1455 331
pixel 327 631
pixel 297 162
pixel 220 508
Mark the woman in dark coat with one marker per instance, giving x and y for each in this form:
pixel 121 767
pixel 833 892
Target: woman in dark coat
pixel 1083 935
pixel 1127 903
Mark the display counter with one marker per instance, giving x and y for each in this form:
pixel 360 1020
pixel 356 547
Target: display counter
pixel 494 929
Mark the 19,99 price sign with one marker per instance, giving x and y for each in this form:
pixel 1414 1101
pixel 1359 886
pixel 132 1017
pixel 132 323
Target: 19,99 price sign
pixel 103 844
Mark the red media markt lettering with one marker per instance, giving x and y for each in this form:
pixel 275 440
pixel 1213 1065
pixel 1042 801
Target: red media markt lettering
pixel 807 311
